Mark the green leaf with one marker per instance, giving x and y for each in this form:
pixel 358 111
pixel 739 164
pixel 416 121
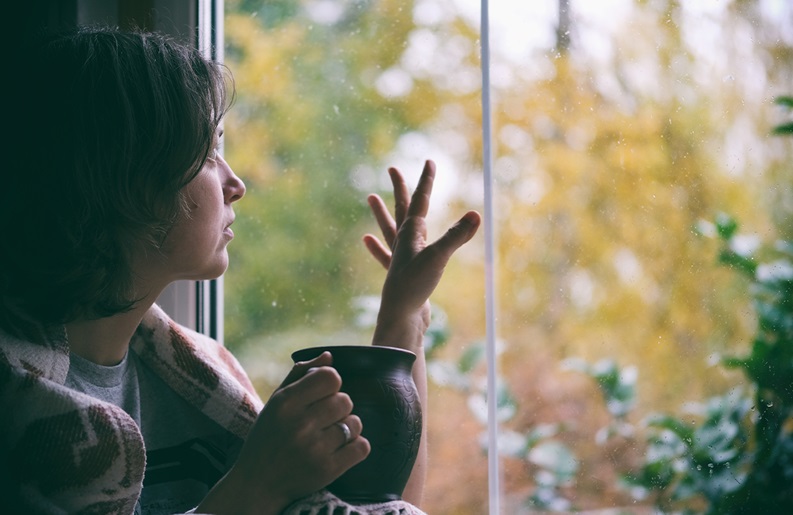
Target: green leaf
pixel 539 433
pixel 785 101
pixel 782 130
pixel 556 458
pixel 471 357
pixel 786 128
pixel 726 225
pixel 735 260
pixel 504 398
pixel 437 333
pixel 675 425
pixel 657 475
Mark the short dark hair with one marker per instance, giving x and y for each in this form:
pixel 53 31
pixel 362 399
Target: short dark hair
pixel 107 127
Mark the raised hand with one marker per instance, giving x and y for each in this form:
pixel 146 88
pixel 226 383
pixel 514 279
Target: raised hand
pixel 414 269
pixel 414 266
pixel 296 446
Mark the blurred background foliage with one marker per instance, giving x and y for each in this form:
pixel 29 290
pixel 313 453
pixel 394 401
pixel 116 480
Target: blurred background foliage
pixel 615 133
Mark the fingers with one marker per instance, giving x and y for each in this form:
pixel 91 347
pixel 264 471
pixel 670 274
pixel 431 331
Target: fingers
pixel 387 224
pixel 329 409
pixel 409 216
pixel 401 196
pixel 404 205
pixel 420 202
pixel 313 388
pixel 300 369
pixel 316 384
pixel 351 454
pixel 353 450
pixel 378 250
pixel 458 234
pixel 336 431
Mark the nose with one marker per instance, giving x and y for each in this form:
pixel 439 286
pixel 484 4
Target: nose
pixel 233 187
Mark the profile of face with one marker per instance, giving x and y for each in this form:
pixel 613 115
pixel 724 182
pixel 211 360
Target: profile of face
pixel 196 246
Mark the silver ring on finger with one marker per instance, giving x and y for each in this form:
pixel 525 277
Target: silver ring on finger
pixel 345 429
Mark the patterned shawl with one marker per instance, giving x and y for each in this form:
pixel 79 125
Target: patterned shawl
pixel 65 452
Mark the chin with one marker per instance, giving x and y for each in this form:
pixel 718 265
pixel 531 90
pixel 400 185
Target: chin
pixel 217 272
pixel 210 271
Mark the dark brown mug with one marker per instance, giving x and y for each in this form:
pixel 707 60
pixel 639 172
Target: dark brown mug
pixel 380 383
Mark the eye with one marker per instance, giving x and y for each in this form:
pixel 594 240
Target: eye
pixel 214 152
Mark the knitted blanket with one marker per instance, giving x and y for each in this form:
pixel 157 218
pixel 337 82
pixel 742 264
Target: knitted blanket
pixel 65 452
pixel 325 503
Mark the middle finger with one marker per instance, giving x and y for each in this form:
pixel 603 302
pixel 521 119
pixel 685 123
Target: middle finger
pixel 401 196
pixel 420 202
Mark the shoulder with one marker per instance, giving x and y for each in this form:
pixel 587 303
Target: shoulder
pixel 57 440
pixel 188 352
pixel 199 369
pixel 48 358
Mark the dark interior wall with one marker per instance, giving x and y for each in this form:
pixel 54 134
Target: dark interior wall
pixel 24 17
pixel 176 17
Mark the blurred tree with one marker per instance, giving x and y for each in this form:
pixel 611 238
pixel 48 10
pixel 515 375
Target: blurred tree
pixel 307 133
pixel 605 162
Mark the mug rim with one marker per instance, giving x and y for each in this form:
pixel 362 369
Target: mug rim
pixel 373 348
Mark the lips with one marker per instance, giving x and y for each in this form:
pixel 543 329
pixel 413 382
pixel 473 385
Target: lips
pixel 227 229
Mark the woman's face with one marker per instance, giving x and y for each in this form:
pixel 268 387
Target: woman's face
pixel 196 245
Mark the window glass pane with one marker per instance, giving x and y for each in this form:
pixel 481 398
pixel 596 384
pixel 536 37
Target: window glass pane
pixel 622 129
pixel 329 94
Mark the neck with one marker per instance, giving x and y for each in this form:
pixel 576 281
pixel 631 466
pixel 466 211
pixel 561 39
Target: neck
pixel 105 341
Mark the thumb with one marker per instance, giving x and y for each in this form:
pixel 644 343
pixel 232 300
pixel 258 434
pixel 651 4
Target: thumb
pixel 459 234
pixel 301 368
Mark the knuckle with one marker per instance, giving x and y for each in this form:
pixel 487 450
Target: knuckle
pixel 362 447
pixel 331 375
pixel 327 376
pixel 345 401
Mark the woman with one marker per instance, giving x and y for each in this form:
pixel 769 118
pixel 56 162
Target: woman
pixel 113 189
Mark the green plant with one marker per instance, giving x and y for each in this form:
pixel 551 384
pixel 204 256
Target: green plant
pixel 739 458
pixel 785 128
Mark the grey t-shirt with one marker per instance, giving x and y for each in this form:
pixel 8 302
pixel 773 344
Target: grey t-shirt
pixel 186 452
